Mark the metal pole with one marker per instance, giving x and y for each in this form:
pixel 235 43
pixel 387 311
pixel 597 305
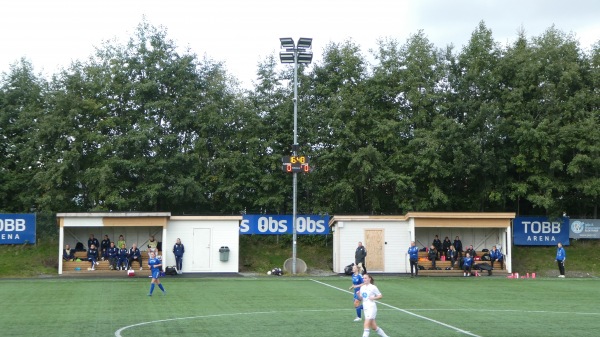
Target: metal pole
pixel 294 153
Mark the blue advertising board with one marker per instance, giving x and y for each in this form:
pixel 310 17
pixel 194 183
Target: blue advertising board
pixel 540 231
pixel 17 228
pixel 282 224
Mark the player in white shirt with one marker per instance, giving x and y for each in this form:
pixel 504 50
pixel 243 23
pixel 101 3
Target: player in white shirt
pixel 369 294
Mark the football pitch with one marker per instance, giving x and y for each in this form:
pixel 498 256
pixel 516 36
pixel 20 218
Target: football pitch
pixel 298 306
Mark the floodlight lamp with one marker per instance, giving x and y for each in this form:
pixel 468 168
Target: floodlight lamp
pixel 286 57
pixel 287 42
pixel 305 57
pixel 305 42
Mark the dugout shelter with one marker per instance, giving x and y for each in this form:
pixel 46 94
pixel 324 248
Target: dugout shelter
pixel 387 237
pixel 202 236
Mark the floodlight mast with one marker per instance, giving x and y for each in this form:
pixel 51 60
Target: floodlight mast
pixel 295 53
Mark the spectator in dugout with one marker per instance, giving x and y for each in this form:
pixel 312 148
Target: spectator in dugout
pixel 152 245
pixel 113 255
pixel 446 246
pixel 68 253
pixel 122 262
pixel 432 256
pixel 92 256
pixel 438 245
pixel 471 251
pixel 467 264
pixel 134 255
pixel 121 242
pixel 496 255
pixel 93 241
pixel 104 245
pixel 458 246
pixel 452 256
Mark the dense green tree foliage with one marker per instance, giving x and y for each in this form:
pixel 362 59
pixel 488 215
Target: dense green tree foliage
pixel 142 126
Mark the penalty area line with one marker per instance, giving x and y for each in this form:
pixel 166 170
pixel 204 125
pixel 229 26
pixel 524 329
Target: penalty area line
pixel 407 312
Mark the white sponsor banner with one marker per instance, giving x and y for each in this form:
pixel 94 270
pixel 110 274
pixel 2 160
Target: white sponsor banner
pixel 584 228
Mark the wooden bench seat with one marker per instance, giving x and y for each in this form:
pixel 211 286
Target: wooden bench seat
pixel 479 253
pixel 102 268
pixel 69 267
pixel 457 271
pixel 81 255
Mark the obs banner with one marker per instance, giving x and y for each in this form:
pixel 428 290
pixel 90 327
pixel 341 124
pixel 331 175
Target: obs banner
pixel 282 224
pixel 540 231
pixel 17 228
pixel 585 229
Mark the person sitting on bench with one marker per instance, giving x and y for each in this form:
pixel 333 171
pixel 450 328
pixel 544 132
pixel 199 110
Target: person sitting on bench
pixel 135 255
pixel 113 256
pixel 92 256
pixel 432 255
pixel 122 262
pixel 496 255
pixel 467 263
pixel 68 253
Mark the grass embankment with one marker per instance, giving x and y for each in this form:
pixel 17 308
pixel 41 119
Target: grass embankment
pixel 259 254
pixel 583 259
pixel 29 260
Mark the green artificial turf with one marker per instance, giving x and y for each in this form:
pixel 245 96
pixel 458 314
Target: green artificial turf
pixel 295 306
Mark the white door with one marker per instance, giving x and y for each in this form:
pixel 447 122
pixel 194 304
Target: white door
pixel 201 249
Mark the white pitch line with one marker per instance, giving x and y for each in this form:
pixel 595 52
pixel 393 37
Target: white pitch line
pixel 408 312
pixel 118 332
pixel 513 310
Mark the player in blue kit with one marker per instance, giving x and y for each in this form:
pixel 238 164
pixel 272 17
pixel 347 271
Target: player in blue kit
pixel 155 266
pixel 357 282
pixel 467 263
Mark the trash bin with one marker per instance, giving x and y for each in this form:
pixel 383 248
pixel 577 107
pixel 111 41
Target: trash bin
pixel 224 252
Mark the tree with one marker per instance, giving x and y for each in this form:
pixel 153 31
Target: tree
pixel 347 159
pixel 272 123
pixel 544 96
pixel 479 163
pixel 409 85
pixel 141 128
pixel 21 105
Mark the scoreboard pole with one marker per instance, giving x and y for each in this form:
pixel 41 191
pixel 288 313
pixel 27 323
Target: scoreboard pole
pixel 295 153
pixel 302 49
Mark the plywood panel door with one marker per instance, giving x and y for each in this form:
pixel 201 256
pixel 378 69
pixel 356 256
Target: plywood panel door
pixel 201 249
pixel 375 245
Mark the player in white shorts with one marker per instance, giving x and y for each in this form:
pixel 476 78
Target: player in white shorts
pixel 369 294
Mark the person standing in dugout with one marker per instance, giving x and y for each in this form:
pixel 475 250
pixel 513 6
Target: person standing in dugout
pixel 459 247
pixel 104 245
pixel 360 256
pixel 437 243
pixel 413 257
pixel 178 250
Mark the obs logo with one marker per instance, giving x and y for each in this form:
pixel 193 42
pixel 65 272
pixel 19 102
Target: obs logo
pixel 577 227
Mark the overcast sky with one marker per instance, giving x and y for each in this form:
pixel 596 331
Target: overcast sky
pixel 240 33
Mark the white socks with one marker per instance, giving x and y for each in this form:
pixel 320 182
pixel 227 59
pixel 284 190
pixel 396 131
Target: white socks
pixel 379 331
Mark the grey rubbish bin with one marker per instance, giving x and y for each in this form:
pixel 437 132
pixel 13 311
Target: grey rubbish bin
pixel 224 252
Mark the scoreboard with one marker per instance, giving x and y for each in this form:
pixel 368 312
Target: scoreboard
pixel 295 164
